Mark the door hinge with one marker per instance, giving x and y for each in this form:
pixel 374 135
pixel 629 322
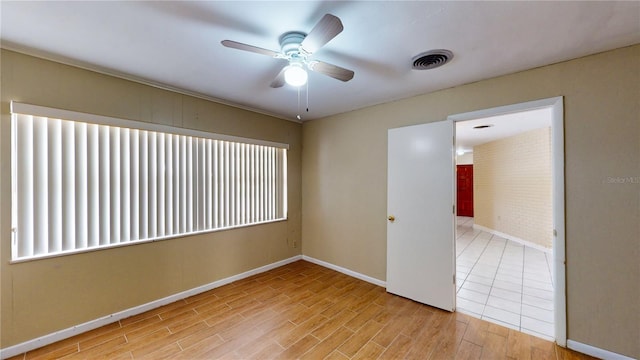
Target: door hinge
pixel 454 279
pixel 454 209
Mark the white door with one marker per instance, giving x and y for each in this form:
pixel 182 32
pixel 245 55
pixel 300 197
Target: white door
pixel 420 199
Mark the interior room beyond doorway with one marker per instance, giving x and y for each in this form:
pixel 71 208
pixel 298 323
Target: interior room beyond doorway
pixel 504 253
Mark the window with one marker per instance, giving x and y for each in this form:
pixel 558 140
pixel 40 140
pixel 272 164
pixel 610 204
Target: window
pixel 82 182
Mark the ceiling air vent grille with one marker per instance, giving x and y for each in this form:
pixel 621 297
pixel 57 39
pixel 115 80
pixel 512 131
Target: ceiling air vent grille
pixel 432 59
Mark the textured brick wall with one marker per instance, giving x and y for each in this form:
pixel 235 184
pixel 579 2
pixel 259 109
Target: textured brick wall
pixel 512 186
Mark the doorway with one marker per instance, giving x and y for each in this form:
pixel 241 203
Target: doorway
pixel 500 277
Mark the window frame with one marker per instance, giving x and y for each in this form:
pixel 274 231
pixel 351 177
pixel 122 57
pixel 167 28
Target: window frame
pixel 54 113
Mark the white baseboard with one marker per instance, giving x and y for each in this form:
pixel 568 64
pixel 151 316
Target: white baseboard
pixel 596 352
pixel 105 320
pixel 513 238
pixel 345 271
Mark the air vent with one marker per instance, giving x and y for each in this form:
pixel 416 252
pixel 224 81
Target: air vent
pixel 432 59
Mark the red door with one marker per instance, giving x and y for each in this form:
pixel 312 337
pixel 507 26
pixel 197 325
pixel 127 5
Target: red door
pixel 464 181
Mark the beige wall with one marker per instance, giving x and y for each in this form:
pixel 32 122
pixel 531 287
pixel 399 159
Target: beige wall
pixel 512 186
pixel 345 170
pixel 42 296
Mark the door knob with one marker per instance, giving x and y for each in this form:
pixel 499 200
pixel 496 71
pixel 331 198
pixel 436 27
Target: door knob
pixel 391 218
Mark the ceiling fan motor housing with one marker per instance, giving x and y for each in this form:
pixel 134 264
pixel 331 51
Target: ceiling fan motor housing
pixel 297 47
pixel 290 42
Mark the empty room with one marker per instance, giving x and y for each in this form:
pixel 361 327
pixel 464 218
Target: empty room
pixel 257 180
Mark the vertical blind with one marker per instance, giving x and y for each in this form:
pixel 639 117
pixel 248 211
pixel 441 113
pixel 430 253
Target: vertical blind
pixel 78 186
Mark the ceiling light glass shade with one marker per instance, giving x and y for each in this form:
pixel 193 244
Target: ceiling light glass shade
pixel 295 75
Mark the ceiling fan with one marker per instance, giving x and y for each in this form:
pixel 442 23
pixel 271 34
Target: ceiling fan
pixel 297 47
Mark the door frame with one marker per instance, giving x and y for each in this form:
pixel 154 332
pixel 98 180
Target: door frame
pixel 558 194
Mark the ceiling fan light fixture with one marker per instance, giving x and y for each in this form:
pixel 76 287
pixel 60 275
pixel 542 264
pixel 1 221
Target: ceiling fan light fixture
pixel 295 75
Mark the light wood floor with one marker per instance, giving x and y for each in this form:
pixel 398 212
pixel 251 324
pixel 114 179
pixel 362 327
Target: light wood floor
pixel 301 310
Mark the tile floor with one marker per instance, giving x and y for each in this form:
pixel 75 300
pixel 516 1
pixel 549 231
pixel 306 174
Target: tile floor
pixel 504 282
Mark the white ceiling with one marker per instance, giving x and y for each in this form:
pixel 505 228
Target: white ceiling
pixel 176 45
pixel 502 126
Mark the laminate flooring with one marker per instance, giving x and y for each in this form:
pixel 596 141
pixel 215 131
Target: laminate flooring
pixel 301 310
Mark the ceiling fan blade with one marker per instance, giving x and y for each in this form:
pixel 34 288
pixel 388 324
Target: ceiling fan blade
pixel 325 30
pixel 250 48
pixel 333 71
pixel 278 82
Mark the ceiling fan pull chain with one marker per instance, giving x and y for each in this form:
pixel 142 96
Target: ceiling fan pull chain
pixel 307 96
pixel 298 116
